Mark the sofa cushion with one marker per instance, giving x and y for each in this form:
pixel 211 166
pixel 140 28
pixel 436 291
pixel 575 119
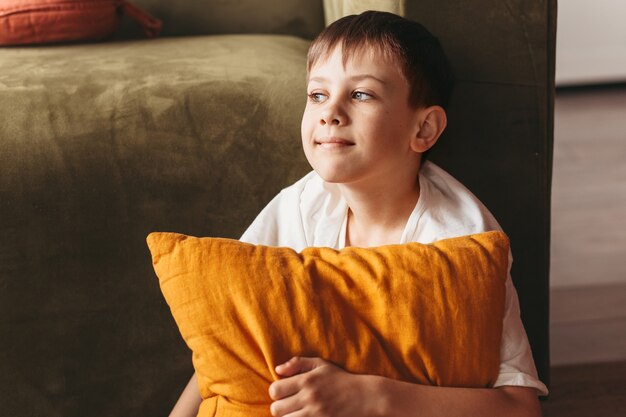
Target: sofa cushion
pixel 427 314
pixel 48 21
pixel 101 144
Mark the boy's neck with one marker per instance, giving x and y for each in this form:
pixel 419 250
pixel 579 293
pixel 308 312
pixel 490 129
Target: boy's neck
pixel 378 217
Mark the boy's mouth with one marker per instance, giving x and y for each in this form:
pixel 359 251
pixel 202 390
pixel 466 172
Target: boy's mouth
pixel 333 142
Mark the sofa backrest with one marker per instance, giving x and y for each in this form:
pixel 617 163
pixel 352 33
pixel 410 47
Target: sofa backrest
pixel 500 132
pixel 304 18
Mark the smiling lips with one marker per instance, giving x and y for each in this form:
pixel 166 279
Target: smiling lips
pixel 332 142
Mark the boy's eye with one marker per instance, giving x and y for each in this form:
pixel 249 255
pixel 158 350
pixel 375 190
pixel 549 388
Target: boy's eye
pixel 361 96
pixel 316 97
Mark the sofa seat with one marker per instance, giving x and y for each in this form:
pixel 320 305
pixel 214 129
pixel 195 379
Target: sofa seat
pixel 102 144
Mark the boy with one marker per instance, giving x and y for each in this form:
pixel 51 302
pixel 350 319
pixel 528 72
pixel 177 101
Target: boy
pixel 378 86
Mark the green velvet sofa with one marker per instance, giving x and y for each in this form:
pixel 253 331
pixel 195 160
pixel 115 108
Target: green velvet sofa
pixel 194 132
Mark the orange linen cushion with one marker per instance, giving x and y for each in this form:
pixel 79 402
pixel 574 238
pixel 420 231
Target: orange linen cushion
pixel 428 314
pixel 48 21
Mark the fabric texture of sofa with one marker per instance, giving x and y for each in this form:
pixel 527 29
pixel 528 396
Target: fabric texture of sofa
pixel 194 132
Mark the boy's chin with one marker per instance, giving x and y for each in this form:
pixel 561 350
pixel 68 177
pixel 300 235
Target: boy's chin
pixel 334 177
pixel 335 172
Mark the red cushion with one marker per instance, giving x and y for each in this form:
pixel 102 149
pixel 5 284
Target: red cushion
pixel 49 21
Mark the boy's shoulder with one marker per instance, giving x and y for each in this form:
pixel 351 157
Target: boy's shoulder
pixel 448 207
pixel 306 213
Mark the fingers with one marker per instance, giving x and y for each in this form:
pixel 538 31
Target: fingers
pixel 288 406
pixel 284 388
pixel 298 364
pixel 287 393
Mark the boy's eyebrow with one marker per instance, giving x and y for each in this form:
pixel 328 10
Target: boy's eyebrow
pixel 357 77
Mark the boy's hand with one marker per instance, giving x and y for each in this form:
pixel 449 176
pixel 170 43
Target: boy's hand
pixel 315 387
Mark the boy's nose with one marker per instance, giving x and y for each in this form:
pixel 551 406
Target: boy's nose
pixel 332 121
pixel 332 117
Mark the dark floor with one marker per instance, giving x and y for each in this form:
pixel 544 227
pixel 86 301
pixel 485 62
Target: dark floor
pixel 588 274
pixel 588 277
pixel 588 324
pixel 589 187
pixel 588 349
pixel 592 390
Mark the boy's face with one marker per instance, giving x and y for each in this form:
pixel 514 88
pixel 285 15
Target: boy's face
pixel 358 125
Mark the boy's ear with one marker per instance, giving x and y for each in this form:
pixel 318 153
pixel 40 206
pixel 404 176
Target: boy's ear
pixel 431 123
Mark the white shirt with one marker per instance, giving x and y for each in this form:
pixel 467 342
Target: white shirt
pixel 312 212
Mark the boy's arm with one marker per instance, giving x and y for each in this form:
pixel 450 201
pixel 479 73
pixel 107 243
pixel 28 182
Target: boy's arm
pixel 405 399
pixel 189 401
pixel 316 387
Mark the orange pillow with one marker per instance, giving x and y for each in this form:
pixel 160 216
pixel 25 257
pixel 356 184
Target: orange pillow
pixel 48 21
pixel 428 314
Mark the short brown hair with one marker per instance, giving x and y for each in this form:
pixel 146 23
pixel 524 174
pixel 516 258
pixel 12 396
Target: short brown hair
pixel 406 42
